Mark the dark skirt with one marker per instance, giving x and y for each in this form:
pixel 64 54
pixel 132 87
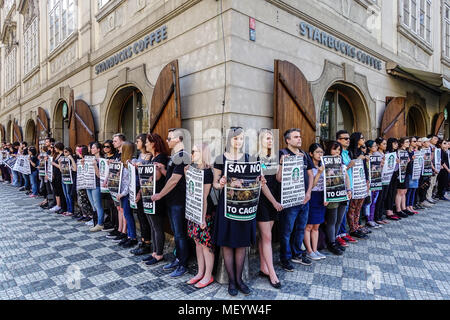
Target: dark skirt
pixel 404 184
pixel 232 233
pixel 266 212
pixel 316 208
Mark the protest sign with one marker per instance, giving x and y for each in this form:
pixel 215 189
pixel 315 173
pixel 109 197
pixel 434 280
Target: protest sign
pixel 66 170
pixel 335 189
pixel 103 168
pixel 427 164
pixel 359 180
pixel 132 188
pixel 403 157
pixel 417 165
pixel 292 182
pixel 375 170
pixel 114 179
pixel 437 159
pixel 147 180
pixel 390 159
pixel 89 173
pixel 42 165
pixel 50 168
pixel 194 195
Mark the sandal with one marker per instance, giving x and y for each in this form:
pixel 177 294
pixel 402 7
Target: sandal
pixel 201 285
pixel 193 281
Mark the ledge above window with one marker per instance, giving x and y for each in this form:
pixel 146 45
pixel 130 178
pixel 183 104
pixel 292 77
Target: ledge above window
pixel 107 9
pixel 425 46
pixel 63 45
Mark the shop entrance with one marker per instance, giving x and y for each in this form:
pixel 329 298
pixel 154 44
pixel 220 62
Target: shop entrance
pixel 415 123
pixel 61 123
pixel 9 131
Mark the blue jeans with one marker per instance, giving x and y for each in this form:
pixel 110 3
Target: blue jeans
pixel 343 228
pixel 179 228
pixel 128 214
pixel 34 182
pixel 16 182
pixel 292 230
pixel 95 198
pixel 26 179
pixel 67 189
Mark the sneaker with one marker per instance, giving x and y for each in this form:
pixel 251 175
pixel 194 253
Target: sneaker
pixel 130 243
pixel 96 228
pixel 120 237
pixel 334 249
pixel 108 227
pixel 431 201
pixel 358 234
pixel 426 204
pixel 341 242
pixel 313 256
pixel 90 223
pixel 54 209
pixel 371 224
pixel 287 265
pixel 302 259
pixel 319 255
pixel 348 238
pixel 143 248
pixel 174 264
pixel 444 199
pixel 113 234
pixel 178 272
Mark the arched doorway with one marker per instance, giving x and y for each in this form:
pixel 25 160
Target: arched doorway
pixel 415 123
pixel 61 122
pixel 128 113
pixel 343 108
pixel 9 130
pixel 30 132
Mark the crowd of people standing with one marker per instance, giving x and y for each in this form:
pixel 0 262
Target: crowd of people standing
pixel 304 230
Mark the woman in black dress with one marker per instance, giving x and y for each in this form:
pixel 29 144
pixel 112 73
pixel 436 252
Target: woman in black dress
pixel 233 236
pixel 268 206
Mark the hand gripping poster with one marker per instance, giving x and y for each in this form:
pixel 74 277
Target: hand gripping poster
pixel 427 168
pixel 335 189
pixel 417 165
pixel 66 172
pixel 375 169
pixel 292 182
pixel 132 188
pixel 89 173
pixel 194 195
pixel 10 162
pixel 42 165
pixel 359 180
pixel 80 176
pixel 103 168
pixel 147 179
pixel 403 157
pixel 437 159
pixel 50 168
pixel 114 180
pixel 390 159
pixel 242 190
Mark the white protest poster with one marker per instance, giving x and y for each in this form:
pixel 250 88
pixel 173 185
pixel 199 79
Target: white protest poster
pixel 50 168
pixel 292 182
pixel 42 165
pixel 66 170
pixel 359 180
pixel 417 165
pixel 437 159
pixel 16 166
pixel 103 168
pixel 89 173
pixel 194 195
pixel 115 179
pixel 132 187
pixel 80 176
pixel 390 160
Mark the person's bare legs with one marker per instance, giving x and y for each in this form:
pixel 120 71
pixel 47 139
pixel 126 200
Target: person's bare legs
pixel 209 264
pixel 265 250
pixel 314 237
pixel 200 262
pixel 307 238
pixel 398 200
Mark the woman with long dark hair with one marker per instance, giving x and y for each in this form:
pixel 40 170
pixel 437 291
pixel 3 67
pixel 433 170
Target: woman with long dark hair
pixel 57 181
pixel 392 146
pixel 412 184
pixel 379 206
pixel 442 177
pixel 68 187
pixel 402 188
pixel 34 163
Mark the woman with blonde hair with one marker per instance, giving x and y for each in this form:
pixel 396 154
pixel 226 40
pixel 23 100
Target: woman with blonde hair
pixel 202 233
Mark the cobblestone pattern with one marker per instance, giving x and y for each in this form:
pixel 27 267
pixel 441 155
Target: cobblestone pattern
pixel 40 252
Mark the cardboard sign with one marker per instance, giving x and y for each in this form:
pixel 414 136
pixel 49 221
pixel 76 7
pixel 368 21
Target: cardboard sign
pixel 359 180
pixel 292 182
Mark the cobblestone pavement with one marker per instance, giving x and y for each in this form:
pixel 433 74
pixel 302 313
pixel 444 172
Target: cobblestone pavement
pixel 39 252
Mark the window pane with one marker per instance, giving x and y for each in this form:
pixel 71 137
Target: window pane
pixel 413 15
pixel 406 12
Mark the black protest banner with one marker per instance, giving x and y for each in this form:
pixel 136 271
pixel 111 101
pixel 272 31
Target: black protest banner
pixel 242 190
pixel 114 179
pixel 147 180
pixel 335 189
pixel 66 172
pixel 375 170
pixel 403 157
pixel 427 164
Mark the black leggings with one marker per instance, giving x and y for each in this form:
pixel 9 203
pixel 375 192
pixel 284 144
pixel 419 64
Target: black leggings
pixel 442 183
pixel 156 222
pixel 333 220
pixel 379 206
pixel 143 222
pixel 392 191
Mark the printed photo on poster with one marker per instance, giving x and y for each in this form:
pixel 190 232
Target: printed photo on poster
pixel 359 180
pixel 103 168
pixel 403 157
pixel 390 159
pixel 66 171
pixel 42 165
pixel 242 190
pixel 194 195
pixel 89 173
pixel 335 189
pixel 292 182
pixel 375 170
pixel 427 163
pixel 114 179
pixel 147 179
pixel 417 165
pixel 80 176
pixel 437 159
pixel 132 188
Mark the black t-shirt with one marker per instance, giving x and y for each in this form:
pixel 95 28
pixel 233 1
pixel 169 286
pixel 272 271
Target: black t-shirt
pixel 444 160
pixel 35 160
pixel 176 165
pixel 307 163
pixel 163 159
pixel 56 171
pixel 208 178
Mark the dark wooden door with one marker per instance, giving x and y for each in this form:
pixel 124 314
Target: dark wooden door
pixel 42 127
pixel 82 126
pixel 166 103
pixel 17 133
pixel 2 133
pixel 393 124
pixel 439 124
pixel 293 103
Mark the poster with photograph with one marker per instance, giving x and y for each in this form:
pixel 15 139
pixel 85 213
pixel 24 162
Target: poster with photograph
pixel 335 189
pixel 437 159
pixel 194 195
pixel 66 170
pixel 42 165
pixel 89 173
pixel 3 156
pixel 242 190
pixel 417 165
pixel 10 162
pixel 50 168
pixel 147 179
pixel 427 164
pixel 114 179
pixel 103 168
pixel 359 180
pixel 22 164
pixel 390 159
pixel 292 182
pixel 132 188
pixel 403 157
pixel 80 176
pixel 375 170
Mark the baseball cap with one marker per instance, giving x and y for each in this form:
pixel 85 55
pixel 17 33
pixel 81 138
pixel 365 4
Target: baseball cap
pixel 424 139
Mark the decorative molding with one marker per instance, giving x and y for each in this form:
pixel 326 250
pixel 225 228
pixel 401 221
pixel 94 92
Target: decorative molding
pixel 64 58
pixel 62 46
pixel 107 9
pixel 415 39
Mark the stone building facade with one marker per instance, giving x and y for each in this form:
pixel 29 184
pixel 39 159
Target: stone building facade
pixel 93 68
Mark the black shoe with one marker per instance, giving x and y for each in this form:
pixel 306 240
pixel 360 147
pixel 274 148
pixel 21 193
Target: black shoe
pixel 401 214
pixel 130 243
pixel 334 249
pixel 287 265
pixel 22 189
pixel 358 234
pixel 232 291
pixel 242 287
pixel 150 257
pixel 409 213
pixel 120 237
pixel 302 259
pixel 153 261
pixel 275 285
pixel 108 227
pixel 124 241
pixel 81 219
pixel 44 206
pixel 143 248
pixel 262 274
pixel 60 211
pixel 28 193
pixel 113 234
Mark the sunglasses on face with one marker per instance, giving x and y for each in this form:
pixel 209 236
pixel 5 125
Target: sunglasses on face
pixel 344 139
pixel 104 147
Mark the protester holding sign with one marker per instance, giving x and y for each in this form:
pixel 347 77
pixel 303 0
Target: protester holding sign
pixel 335 211
pixel 317 204
pixel 68 173
pixel 444 172
pixel 430 193
pixel 82 198
pixel 392 162
pixel 293 220
pixel 380 204
pixel 144 246
pixel 202 233
pixel 413 180
pixel 157 148
pixel 110 208
pixel 268 207
pixel 34 163
pixel 402 188
pixel 375 168
pixel 232 235
pixel 56 177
